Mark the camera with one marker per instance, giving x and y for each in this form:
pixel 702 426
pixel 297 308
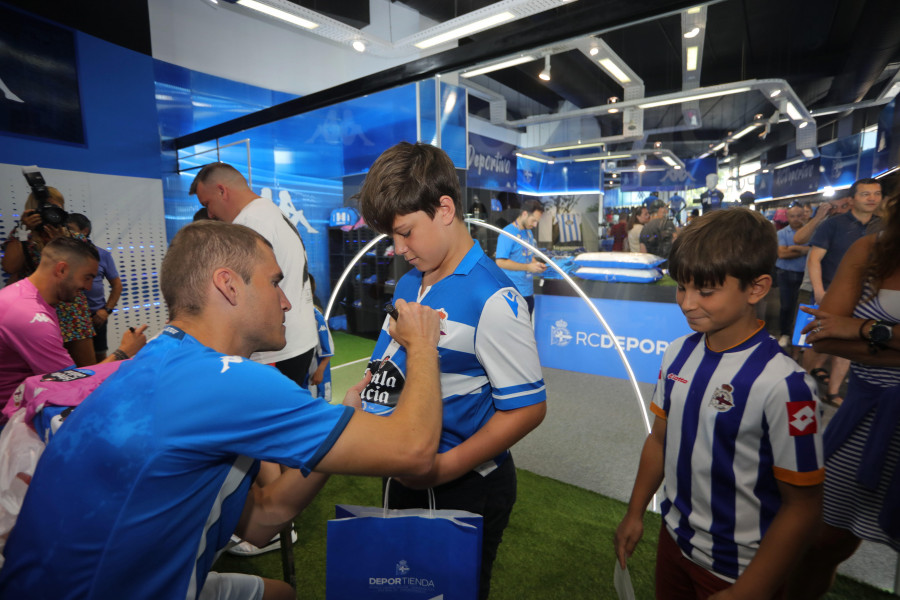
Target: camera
pixel 49 212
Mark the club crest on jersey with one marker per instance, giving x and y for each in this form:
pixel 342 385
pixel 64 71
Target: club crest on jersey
pixel 442 313
pixel 721 399
pixel 802 417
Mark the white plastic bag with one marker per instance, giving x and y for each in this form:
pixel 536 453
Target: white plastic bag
pixel 622 581
pixel 20 449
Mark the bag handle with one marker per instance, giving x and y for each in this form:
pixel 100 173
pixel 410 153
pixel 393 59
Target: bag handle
pixel 431 500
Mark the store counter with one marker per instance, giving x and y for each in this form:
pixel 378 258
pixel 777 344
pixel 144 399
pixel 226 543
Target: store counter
pixel 643 317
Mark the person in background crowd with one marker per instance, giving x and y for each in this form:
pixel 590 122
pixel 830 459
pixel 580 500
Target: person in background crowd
pixel 789 269
pixel 659 233
pixel 827 247
pixel 517 261
pixel 20 260
pixel 636 221
pixel 858 320
pixel 100 306
pixel 30 338
pixel 492 383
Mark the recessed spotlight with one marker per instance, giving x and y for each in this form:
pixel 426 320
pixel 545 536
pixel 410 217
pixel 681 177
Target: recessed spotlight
pixel 359 46
pixel 595 51
pixel 692 33
pixel 775 93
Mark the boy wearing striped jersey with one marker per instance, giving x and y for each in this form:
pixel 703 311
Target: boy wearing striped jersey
pixel 736 438
pixel 491 380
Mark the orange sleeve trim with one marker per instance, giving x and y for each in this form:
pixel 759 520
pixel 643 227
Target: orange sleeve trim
pixel 795 478
pixel 657 411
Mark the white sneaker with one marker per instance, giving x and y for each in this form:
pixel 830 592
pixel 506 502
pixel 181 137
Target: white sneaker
pixel 248 549
pixel 784 341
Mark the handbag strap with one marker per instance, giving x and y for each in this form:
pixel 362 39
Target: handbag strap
pixel 387 488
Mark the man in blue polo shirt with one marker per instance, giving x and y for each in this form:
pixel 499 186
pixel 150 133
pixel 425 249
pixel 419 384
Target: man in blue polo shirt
pixel 829 244
pixel 789 269
pixel 516 260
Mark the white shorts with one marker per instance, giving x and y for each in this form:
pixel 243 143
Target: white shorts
pixel 232 586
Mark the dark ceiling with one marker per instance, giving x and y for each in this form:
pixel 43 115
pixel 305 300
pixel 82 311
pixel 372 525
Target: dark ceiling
pixel 831 52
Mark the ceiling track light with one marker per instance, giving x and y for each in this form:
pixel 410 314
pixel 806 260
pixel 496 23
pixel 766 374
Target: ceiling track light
pixel 498 66
pixel 545 74
pixel 278 13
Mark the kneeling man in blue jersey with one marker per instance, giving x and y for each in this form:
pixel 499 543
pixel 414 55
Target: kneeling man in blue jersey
pixel 517 261
pixel 147 480
pixel 491 378
pixel 737 438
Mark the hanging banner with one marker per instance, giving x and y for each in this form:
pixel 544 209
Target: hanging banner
pixel 671 180
pixel 802 178
pixel 839 161
pixel 491 164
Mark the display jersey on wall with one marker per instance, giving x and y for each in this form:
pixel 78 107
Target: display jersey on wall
pixel 39 97
pixel 569 337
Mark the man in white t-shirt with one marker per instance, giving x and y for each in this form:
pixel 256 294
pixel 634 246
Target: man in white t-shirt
pixel 224 192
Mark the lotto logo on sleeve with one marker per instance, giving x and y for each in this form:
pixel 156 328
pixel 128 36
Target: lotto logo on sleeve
pixel 802 417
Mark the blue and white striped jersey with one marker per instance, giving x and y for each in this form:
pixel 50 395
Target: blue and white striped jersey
pixel 488 354
pixel 738 421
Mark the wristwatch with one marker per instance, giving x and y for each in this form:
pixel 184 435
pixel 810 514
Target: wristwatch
pixel 880 333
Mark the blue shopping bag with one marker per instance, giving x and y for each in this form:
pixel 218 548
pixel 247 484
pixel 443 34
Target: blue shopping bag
pixel 415 553
pixel 802 320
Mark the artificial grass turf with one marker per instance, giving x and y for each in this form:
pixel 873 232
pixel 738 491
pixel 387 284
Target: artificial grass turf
pixel 558 545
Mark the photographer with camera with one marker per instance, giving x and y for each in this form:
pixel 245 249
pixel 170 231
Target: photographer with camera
pixel 45 218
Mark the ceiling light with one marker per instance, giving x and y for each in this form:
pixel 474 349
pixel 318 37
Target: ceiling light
pixel 614 70
pixel 278 13
pixel 775 93
pixel 797 160
pixel 465 30
pixel 641 167
pixel 574 147
pixel 669 161
pixel 359 46
pixel 609 157
pixel 612 111
pixel 718 147
pixel 657 144
pixel 803 124
pixel 808 152
pixel 692 33
pixel 534 158
pixel 594 51
pixel 692 52
pixel 496 67
pixel 693 11
pixel 681 99
pixel 744 131
pixel 792 111
pixel 545 74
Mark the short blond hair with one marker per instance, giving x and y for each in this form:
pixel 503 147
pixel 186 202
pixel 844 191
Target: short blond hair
pixel 196 252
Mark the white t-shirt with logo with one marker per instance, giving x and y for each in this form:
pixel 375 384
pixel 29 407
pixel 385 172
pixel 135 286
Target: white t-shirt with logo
pixel 262 216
